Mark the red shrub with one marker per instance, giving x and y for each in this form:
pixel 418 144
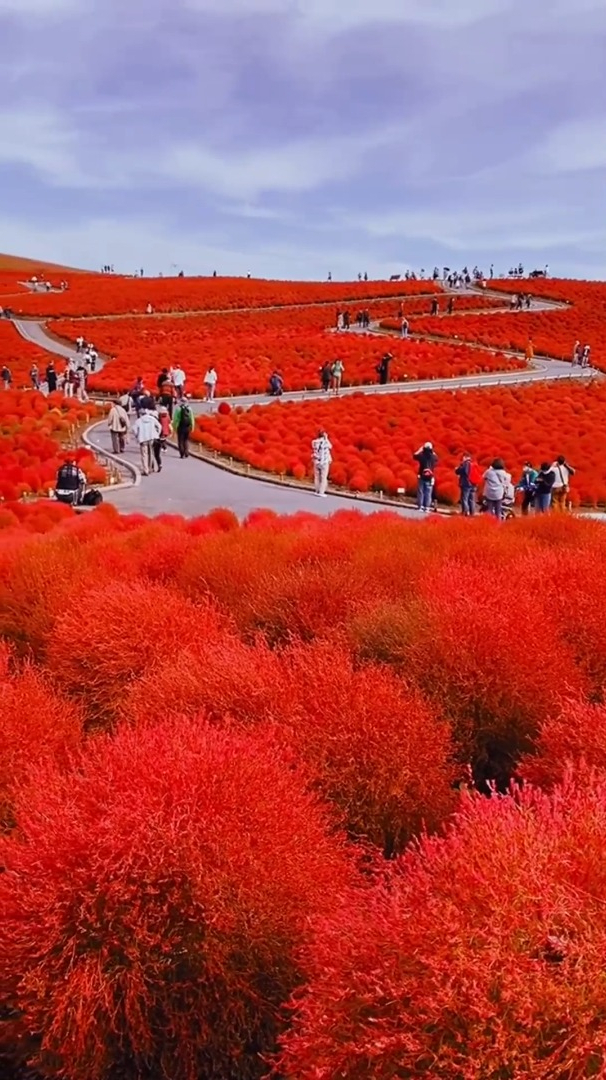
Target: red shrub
pixel 481 957
pixel 36 723
pixel 109 636
pixel 374 748
pixel 153 905
pixel 574 735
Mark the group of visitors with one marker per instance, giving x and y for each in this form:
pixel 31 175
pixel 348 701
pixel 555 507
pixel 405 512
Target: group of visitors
pixel 87 352
pixel 331 376
pixel 519 301
pixel 541 489
pixel 581 355
pixel 41 283
pixel 152 427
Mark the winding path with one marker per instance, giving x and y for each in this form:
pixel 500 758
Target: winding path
pixel 195 486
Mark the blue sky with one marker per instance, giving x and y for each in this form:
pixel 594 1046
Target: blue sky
pixel 292 137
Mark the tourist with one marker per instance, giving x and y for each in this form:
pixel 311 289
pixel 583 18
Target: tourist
pixel 117 422
pixel 69 379
pixel 577 354
pixel 178 379
pixel 70 483
pixel 529 351
pixel 7 377
pixel 560 489
pixel 383 369
pixel 585 357
pixel 450 307
pixel 346 320
pixel 51 377
pixel 165 429
pixel 93 356
pixel 527 485
pixel 276 384
pixel 210 383
pixel 326 376
pixel 321 448
pixel 336 375
pixel 427 460
pixel 137 392
pixel 435 307
pixel 497 484
pixel 80 344
pixel 35 377
pixel 81 376
pixel 470 475
pixel 149 310
pixel 146 429
pixel 404 327
pixel 162 379
pixel 544 484
pixel 183 423
pixel 166 397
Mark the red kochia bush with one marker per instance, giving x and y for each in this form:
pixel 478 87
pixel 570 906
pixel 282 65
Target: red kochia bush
pixel 375 749
pixel 36 723
pixel 109 636
pixel 574 735
pixel 153 904
pixel 482 957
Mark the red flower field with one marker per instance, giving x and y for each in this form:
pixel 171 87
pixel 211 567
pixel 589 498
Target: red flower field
pixel 374 438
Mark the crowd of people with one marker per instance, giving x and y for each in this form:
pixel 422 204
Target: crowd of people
pixel 151 420
pixel 581 355
pixel 492 490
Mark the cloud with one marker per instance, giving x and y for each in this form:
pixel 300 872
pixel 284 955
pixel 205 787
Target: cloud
pixel 44 8
pixel 39 139
pixel 339 15
pixel 574 146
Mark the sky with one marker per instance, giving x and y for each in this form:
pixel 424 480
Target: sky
pixel 292 138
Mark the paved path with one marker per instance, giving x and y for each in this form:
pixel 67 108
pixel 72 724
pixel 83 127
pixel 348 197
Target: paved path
pixel 194 487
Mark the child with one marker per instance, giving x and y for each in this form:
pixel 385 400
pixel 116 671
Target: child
pixel 164 418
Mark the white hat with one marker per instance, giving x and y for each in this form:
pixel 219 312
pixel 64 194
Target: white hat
pixel 428 446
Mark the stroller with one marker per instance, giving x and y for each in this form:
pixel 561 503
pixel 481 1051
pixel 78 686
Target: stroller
pixel 507 508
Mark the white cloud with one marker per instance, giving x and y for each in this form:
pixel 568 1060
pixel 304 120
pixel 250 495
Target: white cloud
pixel 39 138
pixel 336 15
pixel 44 8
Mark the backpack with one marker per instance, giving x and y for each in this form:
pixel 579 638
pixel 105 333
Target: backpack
pixel 475 474
pixel 92 498
pixel 427 476
pixel 185 419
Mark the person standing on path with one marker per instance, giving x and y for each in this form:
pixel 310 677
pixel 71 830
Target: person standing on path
pixel 51 377
pixel 560 490
pixel 117 422
pixel 183 422
pixel 497 482
pixel 35 377
pixel 80 344
pixel 435 307
pixel 577 354
pixel 469 476
pixel 544 484
pixel 529 351
pixel 325 376
pixel 528 486
pixel 404 328
pixel 336 374
pixel 383 369
pixel 427 460
pixel 7 377
pixel 146 429
pixel 81 392
pixel 585 357
pixel 179 378
pixel 321 455
pixel 210 383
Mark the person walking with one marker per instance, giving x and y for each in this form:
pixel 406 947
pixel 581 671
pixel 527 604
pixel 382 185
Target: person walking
pixel 321 455
pixel 117 422
pixel 497 482
pixel 51 377
pixel 527 485
pixel 560 490
pixel 7 377
pixel 427 460
pixel 80 344
pixel 276 384
pixel 405 327
pixel 163 379
pixel 450 307
pixel 35 377
pixel 544 484
pixel 69 379
pixel 577 354
pixel 469 475
pixel 81 376
pixel 210 383
pixel 325 376
pixel 183 422
pixel 146 429
pixel 165 428
pixel 529 351
pixel 435 307
pixel 336 375
pixel 585 359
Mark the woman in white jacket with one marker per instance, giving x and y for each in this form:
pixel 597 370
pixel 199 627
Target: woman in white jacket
pixel 497 485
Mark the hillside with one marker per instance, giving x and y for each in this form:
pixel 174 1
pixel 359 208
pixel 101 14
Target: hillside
pixel 14 263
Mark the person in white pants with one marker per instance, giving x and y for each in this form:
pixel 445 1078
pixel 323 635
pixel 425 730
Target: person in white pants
pixel 322 458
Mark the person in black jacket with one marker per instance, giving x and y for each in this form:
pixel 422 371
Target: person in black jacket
pixel 427 460
pixel 383 369
pixel 544 484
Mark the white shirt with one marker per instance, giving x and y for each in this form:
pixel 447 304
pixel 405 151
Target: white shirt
pixel 321 452
pixel 178 377
pixel 147 427
pixel 211 377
